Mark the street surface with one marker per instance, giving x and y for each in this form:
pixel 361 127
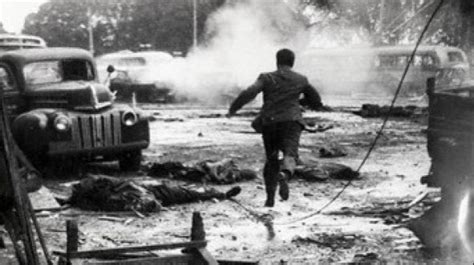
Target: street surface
pixel 190 134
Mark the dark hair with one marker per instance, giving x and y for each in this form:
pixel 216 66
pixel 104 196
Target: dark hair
pixel 285 57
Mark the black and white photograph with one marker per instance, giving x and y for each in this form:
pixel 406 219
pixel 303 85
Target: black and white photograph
pixel 236 132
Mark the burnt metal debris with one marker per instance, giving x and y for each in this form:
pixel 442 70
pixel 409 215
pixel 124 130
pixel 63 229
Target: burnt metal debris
pixel 450 148
pixel 377 111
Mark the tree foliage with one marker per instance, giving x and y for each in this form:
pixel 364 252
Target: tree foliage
pixel 119 24
pixel 168 24
pixel 401 21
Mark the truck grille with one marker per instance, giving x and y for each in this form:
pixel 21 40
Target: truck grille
pixel 97 131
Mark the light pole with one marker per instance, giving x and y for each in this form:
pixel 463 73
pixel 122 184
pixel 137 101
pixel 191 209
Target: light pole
pixel 90 30
pixel 194 24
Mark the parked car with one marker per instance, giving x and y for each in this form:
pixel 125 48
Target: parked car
pixel 139 73
pixel 60 111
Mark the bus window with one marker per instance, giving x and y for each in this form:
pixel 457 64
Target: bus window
pixel 425 61
pixel 392 61
pixel 455 57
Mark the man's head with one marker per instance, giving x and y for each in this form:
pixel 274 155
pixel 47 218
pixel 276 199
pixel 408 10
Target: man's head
pixel 285 57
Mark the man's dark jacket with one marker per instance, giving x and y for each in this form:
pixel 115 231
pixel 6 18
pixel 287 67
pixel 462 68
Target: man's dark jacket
pixel 281 96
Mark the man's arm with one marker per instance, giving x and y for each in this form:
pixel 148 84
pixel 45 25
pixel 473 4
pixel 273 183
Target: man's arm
pixel 246 96
pixel 311 99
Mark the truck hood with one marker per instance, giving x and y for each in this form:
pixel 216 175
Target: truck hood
pixel 75 95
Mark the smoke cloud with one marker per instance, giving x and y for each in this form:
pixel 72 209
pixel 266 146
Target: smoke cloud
pixel 241 40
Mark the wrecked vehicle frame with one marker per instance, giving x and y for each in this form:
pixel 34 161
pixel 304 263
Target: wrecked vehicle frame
pixel 450 147
pixel 137 73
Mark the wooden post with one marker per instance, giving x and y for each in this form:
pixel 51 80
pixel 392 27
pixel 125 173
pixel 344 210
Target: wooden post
pixel 198 233
pixel 72 236
pixel 430 86
pixel 197 228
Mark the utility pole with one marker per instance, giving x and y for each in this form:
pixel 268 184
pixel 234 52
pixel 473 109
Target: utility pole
pixel 90 30
pixel 194 24
pixel 382 16
pixel 381 25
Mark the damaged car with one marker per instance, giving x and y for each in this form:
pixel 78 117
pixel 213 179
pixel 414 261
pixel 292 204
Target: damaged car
pixel 139 74
pixel 59 110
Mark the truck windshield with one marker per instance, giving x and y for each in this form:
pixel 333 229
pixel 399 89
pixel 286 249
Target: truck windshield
pixel 45 72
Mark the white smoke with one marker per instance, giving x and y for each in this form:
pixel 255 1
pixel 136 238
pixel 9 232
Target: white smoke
pixel 242 38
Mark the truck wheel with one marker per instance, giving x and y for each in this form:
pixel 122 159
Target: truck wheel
pixel 130 161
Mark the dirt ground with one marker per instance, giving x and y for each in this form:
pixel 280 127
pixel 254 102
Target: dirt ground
pixel 180 133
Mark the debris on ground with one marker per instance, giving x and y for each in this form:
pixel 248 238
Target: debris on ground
pixel 389 215
pixel 332 151
pixel 332 241
pixel 105 193
pixel 223 171
pixel 394 213
pixel 318 128
pixel 250 113
pixel 375 111
pixel 366 258
pixel 323 171
pixel 173 120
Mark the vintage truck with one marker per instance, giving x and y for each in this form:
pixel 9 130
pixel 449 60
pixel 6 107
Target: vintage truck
pixel 59 111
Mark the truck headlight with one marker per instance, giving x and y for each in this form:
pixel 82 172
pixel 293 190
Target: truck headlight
pixel 62 123
pixel 129 118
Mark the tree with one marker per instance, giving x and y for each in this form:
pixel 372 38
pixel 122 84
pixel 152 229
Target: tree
pixel 119 24
pixel 167 25
pixel 402 21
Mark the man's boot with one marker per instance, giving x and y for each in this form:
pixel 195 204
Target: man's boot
pixel 270 202
pixel 284 191
pixel 271 190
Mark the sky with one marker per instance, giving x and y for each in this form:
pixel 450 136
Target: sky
pixel 14 12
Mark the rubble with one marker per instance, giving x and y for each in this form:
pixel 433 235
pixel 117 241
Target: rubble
pixel 224 171
pixel 391 213
pixel 375 111
pixel 332 241
pixel 322 171
pixel 332 151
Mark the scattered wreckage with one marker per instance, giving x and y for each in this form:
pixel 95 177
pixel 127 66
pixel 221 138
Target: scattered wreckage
pixel 59 110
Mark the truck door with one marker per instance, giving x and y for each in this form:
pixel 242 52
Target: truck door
pixel 11 92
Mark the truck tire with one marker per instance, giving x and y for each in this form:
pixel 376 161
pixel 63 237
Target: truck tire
pixel 130 161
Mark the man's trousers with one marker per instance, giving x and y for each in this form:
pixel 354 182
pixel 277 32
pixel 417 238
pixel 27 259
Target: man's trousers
pixel 284 137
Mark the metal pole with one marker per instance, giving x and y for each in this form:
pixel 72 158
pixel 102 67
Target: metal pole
pixel 194 23
pixel 382 16
pixel 90 30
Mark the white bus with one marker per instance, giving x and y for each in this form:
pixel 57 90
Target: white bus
pixel 20 41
